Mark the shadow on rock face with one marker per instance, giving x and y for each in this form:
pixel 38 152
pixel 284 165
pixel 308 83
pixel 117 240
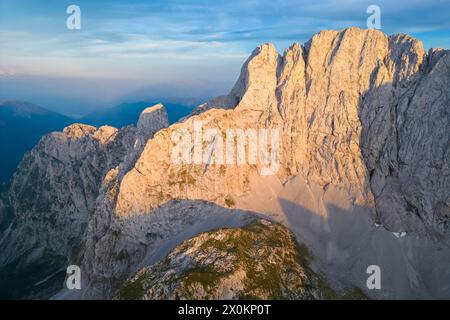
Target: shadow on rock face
pixel 346 242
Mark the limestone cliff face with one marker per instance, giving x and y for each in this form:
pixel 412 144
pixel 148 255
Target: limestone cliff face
pixel 355 108
pixel 57 184
pixel 355 111
pixel 259 261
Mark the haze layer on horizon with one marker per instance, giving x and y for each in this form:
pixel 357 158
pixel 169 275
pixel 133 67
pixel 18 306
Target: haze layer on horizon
pixel 163 49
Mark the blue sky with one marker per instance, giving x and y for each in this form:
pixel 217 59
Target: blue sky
pixel 181 44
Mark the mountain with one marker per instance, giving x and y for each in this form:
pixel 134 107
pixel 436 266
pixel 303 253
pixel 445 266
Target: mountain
pixel 128 114
pixel 22 124
pixel 357 169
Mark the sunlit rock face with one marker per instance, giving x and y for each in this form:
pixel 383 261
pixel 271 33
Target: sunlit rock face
pixel 355 108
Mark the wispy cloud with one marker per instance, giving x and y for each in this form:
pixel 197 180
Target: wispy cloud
pixel 164 33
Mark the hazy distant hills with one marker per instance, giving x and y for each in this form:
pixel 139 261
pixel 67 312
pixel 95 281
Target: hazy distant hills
pixel 128 113
pixel 22 124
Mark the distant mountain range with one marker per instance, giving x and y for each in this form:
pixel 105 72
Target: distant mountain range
pixel 22 125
